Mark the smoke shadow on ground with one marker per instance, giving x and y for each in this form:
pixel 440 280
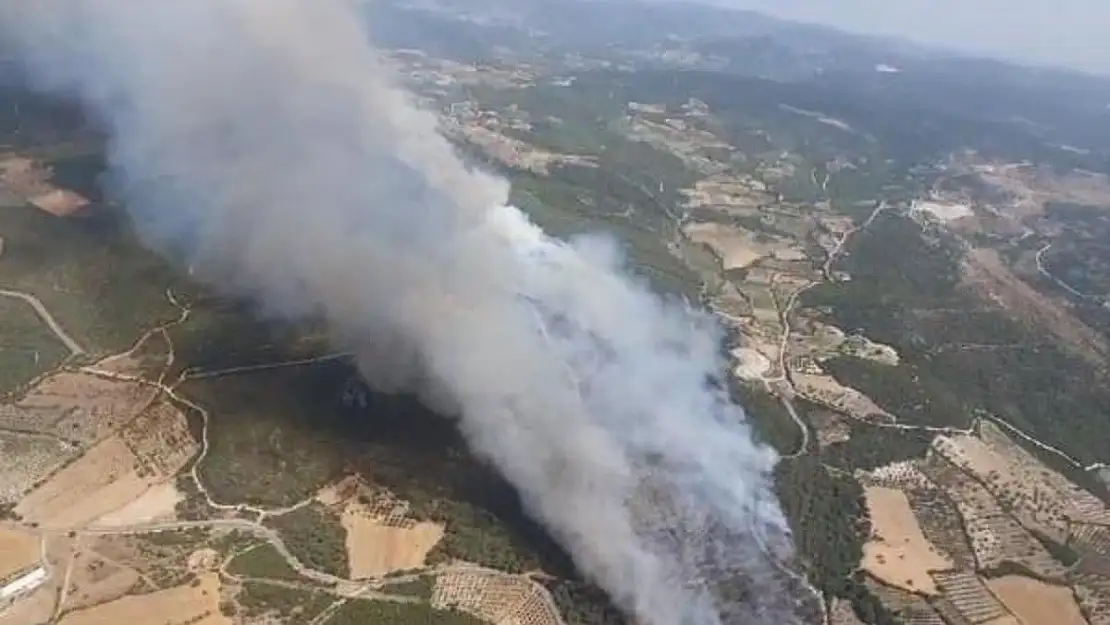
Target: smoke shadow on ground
pixel 287 432
pixel 393 441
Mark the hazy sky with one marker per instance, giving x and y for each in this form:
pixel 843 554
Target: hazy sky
pixel 1072 33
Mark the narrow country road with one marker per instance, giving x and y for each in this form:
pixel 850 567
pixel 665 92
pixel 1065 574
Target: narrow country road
pixel 73 346
pixel 1048 274
pixel 252 527
pixel 783 374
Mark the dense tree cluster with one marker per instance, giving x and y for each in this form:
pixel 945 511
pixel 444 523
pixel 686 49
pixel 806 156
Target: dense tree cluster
pixel 870 447
pixel 960 357
pixel 773 423
pixel 262 562
pixel 582 603
pixel 364 612
pixel 829 519
pixel 300 606
pixel 316 537
pixel 422 586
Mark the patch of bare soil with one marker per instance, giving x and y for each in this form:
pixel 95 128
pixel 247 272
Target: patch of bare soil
pixel 379 544
pixel 728 194
pixel 738 248
pixel 735 249
pixel 825 389
pixel 382 537
pixel 121 480
pixel 193 604
pixel 750 364
pixel 95 580
pixel 898 553
pixel 103 480
pixel 34 608
pixel 158 503
pixel 515 152
pixel 60 202
pixel 38 606
pixel 1035 602
pixel 943 211
pixel 23 175
pixel 30 180
pixel 18 551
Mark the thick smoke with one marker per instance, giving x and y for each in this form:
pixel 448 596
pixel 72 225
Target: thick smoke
pixel 265 140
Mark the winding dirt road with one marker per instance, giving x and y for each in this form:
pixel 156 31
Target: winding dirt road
pixel 40 309
pixel 1051 276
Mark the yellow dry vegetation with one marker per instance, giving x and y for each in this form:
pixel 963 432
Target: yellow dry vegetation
pixel 898 553
pixel 60 202
pixel 825 389
pixel 38 605
pixel 158 503
pixel 93 580
pixel 1035 602
pixel 35 607
pixel 738 248
pixel 18 551
pixel 103 480
pixel 376 547
pixel 122 480
pixel 197 603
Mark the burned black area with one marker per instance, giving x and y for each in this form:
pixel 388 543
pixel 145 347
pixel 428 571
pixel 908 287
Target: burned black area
pixel 394 442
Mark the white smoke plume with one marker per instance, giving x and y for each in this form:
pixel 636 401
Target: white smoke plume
pixel 266 139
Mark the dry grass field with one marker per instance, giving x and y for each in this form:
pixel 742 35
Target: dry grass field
pixel 898 553
pixel 18 551
pixel 378 545
pixel 103 480
pixel 95 580
pixel 191 604
pixel 1035 602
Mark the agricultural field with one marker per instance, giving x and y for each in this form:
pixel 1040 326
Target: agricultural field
pixel 18 552
pixel 1034 601
pixel 898 553
pixel 494 597
pixel 382 538
pixel 910 286
pixel 196 603
pixel 124 475
pixel 77 407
